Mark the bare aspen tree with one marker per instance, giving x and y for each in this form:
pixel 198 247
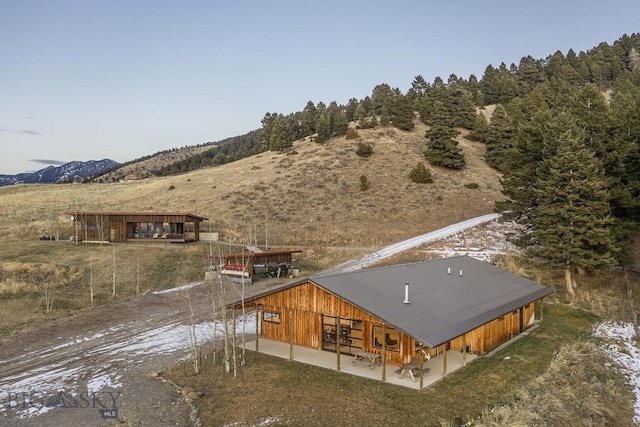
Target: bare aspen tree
pixel 113 287
pixel 225 325
pixel 138 277
pixel 221 314
pixel 195 353
pixel 632 305
pixel 91 280
pixel 45 282
pixel 266 233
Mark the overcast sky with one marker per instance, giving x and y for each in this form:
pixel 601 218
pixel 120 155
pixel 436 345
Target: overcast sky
pixel 87 80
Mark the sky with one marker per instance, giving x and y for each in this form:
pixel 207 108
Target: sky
pixel 88 80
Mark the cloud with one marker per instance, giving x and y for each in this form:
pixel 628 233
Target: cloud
pixel 25 131
pixel 49 162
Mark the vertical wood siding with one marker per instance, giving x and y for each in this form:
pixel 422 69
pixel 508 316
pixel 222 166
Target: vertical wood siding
pixel 308 302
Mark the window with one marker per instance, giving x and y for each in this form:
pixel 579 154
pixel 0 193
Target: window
pixel 391 338
pixel 350 334
pixel 271 316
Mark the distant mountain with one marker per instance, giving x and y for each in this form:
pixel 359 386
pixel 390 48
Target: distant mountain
pixel 65 173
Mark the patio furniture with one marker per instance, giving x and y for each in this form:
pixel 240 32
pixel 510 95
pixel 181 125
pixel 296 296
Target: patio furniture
pixel 365 358
pixel 413 369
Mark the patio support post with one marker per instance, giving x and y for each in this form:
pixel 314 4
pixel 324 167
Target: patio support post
pixel 384 353
pixel 290 334
pixel 444 362
pixel 338 336
pixel 464 349
pixel 541 309
pixel 257 326
pixel 421 365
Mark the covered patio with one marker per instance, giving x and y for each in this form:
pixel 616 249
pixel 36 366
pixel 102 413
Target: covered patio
pixel 434 369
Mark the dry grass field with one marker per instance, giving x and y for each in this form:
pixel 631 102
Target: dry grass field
pixel 309 196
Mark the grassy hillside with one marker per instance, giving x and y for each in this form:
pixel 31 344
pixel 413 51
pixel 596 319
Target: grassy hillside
pixel 309 196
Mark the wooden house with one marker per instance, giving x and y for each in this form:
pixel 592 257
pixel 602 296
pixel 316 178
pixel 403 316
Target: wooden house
pixel 397 312
pixel 136 226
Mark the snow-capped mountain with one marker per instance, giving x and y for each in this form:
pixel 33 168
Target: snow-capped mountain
pixel 65 173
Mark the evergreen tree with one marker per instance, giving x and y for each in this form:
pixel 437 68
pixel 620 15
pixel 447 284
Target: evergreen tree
pixel 280 136
pixel 323 128
pixel 420 86
pixel 361 117
pixel 499 139
pixel 382 97
pixel 442 148
pixel 569 224
pixel 402 113
pixel 351 108
pixel 384 117
pixel 308 119
pixel 624 119
pixel 420 174
pixel 337 120
pixel 480 128
pixel 268 121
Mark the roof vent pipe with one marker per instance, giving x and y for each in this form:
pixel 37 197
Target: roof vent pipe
pixel 406 293
pixel 449 271
pixel 460 273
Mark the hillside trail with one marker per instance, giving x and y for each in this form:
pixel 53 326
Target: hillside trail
pixel 96 368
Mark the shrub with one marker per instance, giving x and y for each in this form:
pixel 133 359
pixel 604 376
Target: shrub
pixel 364 183
pixel 364 149
pixel 172 187
pixel 352 133
pixel 420 174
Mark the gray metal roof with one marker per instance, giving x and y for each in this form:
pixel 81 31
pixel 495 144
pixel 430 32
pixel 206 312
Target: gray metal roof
pixel 442 306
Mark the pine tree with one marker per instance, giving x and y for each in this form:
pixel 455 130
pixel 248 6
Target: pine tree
pixel 337 120
pixel 402 113
pixel 308 119
pixel 420 174
pixel 323 128
pixel 499 138
pixel 569 225
pixel 280 136
pixel 480 128
pixel 384 118
pixel 442 148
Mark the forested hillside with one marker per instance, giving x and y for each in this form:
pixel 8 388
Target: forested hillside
pixel 564 134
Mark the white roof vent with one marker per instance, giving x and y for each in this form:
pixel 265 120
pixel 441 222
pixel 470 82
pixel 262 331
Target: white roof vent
pixel 406 293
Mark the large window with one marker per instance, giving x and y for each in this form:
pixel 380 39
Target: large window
pixel 350 334
pixel 390 337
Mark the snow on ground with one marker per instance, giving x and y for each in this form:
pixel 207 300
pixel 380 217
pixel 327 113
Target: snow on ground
pixel 69 374
pixel 483 242
pixel 391 250
pixel 622 346
pixel 178 289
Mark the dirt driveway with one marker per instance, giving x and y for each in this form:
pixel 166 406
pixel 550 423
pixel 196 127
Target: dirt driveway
pixel 96 368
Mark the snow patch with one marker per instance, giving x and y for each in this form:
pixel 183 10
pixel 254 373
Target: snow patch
pixel 96 384
pixel 178 289
pixel 624 350
pixel 46 381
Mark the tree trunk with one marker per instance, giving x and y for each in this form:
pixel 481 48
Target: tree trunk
pixel 569 282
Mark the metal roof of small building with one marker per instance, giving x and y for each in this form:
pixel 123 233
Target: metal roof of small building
pixel 447 297
pixel 133 213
